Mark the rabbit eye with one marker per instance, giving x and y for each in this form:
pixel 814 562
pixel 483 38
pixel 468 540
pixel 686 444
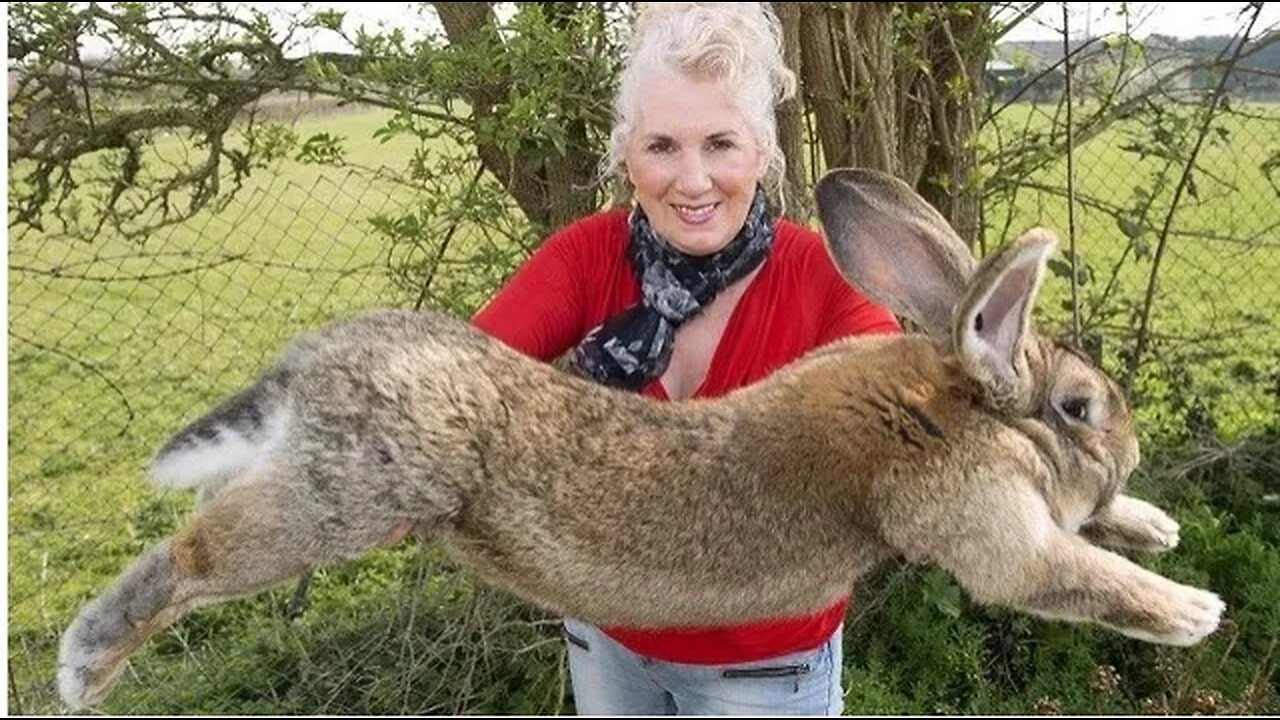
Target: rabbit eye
pixel 1076 408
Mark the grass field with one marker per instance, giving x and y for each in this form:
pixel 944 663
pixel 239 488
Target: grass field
pixel 1216 312
pixel 102 369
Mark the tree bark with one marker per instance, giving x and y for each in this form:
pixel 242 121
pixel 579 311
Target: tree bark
pixel 873 95
pixel 896 87
pixel 550 194
pixel 957 48
pixel 825 88
pixel 796 185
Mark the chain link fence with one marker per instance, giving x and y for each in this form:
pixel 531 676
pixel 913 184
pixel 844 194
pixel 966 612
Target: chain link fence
pixel 115 343
pixel 1175 230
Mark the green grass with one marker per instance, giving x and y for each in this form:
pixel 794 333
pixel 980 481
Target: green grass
pixel 102 372
pixel 1216 312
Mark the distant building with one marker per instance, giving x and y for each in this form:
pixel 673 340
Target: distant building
pixel 1120 68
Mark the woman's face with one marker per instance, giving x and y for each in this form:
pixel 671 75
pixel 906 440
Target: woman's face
pixel 693 161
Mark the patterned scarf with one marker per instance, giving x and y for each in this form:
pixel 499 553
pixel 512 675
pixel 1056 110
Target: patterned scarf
pixel 634 347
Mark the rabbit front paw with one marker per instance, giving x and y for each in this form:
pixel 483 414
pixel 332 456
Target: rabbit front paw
pixel 1187 616
pixel 1198 613
pixel 1154 524
pixel 1132 523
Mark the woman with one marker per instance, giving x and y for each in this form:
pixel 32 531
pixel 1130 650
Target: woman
pixel 694 292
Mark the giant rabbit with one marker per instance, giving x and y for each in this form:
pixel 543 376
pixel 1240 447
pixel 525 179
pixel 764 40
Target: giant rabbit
pixel 979 446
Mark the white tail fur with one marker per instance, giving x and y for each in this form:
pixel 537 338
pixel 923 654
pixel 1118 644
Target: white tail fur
pixel 230 441
pixel 226 455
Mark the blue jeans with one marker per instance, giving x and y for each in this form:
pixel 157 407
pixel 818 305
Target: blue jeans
pixel 609 679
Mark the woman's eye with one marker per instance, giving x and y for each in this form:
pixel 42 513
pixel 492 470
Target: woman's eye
pixel 1076 408
pixel 660 147
pixel 720 145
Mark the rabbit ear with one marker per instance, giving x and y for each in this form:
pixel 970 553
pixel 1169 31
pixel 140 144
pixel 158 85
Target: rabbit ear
pixel 894 246
pixel 993 319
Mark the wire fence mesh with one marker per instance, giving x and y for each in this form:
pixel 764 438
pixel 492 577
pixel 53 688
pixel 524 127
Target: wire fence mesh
pixel 111 341
pixel 1176 285
pixel 114 342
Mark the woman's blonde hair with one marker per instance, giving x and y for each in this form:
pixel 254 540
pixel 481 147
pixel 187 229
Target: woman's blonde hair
pixel 738 43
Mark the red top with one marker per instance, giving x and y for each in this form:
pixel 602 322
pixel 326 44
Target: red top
pixel 581 276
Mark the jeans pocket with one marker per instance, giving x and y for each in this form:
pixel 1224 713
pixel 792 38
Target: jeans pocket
pixel 793 672
pixel 770 671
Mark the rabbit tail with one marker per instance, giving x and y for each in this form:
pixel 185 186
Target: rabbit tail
pixel 232 439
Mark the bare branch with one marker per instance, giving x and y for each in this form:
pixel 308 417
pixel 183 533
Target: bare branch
pixel 1210 113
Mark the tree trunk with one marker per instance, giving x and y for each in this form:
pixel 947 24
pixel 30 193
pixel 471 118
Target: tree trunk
pixel 569 180
pixel 896 87
pixel 550 193
pixel 825 87
pixel 958 47
pixel 796 185
pixel 869 29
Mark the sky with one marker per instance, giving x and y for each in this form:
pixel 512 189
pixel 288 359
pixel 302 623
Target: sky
pixel 1184 19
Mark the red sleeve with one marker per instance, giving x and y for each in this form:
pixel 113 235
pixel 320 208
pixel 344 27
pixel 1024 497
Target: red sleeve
pixel 540 311
pixel 847 311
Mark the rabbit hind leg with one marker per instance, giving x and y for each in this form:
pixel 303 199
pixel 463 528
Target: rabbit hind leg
pixel 250 537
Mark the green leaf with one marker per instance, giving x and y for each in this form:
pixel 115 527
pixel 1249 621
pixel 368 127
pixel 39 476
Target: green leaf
pixel 327 19
pixel 321 149
pixel 1131 228
pixel 943 594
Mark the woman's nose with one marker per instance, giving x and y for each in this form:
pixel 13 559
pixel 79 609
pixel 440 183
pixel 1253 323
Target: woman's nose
pixel 694 176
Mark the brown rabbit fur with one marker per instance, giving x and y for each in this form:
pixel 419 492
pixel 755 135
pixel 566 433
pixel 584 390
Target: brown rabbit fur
pixel 982 448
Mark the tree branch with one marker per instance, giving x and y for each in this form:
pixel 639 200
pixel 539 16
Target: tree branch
pixel 1210 113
